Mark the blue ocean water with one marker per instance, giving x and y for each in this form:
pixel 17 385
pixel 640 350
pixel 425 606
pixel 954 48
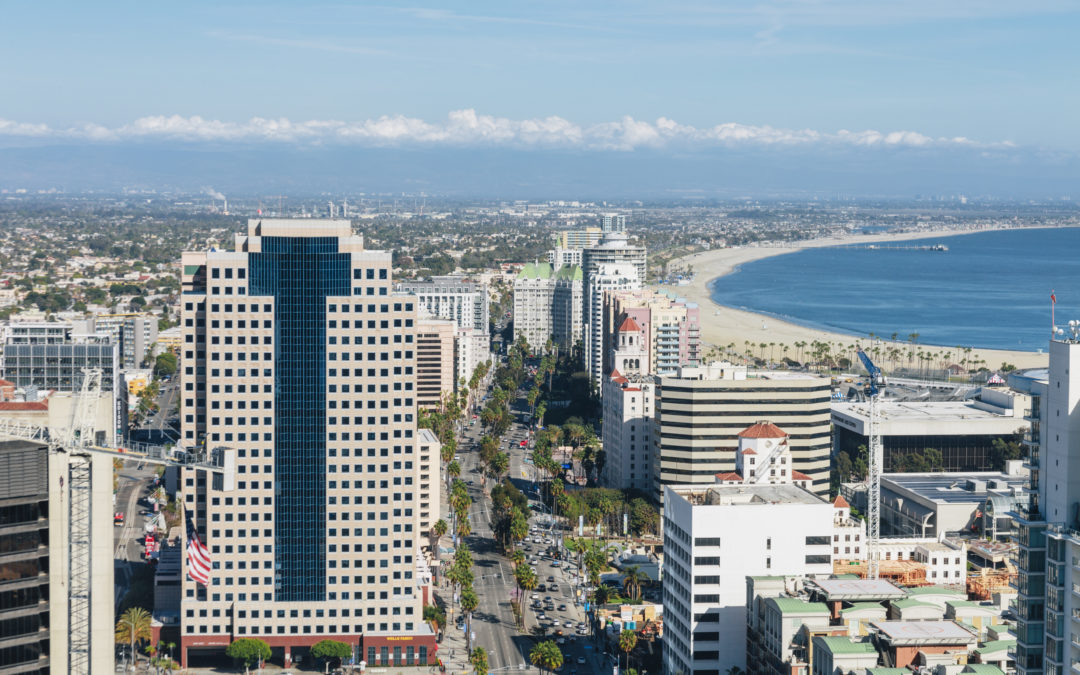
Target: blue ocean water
pixel 989 290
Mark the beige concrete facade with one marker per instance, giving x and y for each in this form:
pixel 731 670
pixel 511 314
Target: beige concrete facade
pixel 428 448
pixel 700 411
pixel 435 373
pixel 317 534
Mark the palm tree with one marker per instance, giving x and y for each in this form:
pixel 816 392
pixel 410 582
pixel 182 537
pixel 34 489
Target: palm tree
pixel 526 581
pixel 479 661
pixel 546 656
pixel 632 578
pixel 627 642
pixel 464 527
pixel 437 532
pixel 469 602
pixel 602 594
pixel 133 626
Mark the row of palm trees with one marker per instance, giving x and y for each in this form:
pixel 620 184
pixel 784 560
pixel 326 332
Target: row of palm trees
pixel 824 353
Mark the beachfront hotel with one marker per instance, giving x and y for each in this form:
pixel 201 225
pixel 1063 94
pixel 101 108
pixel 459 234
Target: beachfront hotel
pixel 297 354
pixel 700 411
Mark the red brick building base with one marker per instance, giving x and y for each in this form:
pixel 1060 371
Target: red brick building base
pixel 287 642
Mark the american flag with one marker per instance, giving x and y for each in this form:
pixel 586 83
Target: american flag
pixel 198 558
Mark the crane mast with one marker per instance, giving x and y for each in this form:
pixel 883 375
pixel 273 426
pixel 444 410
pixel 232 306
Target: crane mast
pixel 876 462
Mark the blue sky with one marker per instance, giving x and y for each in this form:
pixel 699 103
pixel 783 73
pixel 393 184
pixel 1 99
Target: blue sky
pixel 964 74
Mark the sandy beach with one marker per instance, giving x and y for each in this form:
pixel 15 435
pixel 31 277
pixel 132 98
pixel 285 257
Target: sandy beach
pixel 721 326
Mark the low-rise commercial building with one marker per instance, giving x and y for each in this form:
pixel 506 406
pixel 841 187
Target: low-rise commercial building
pixel 963 431
pixel 934 504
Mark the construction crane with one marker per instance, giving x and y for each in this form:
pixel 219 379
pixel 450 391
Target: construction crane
pixel 875 383
pixel 78 442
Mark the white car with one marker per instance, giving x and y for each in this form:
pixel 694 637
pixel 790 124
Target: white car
pixel 555 624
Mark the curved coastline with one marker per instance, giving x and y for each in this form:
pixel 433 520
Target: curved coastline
pixel 723 325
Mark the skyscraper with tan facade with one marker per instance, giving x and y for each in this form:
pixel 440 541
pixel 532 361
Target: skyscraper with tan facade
pixel 297 354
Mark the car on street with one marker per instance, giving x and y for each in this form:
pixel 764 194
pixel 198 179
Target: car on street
pixel 551 578
pixel 555 623
pixel 581 660
pixel 553 587
pixel 562 608
pixel 542 588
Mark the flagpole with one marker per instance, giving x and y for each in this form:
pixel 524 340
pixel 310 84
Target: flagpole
pixel 1053 304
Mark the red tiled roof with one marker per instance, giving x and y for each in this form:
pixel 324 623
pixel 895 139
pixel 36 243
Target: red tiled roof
pixel 841 503
pixel 22 406
pixel 799 475
pixel 731 475
pixel 762 430
pixel 629 325
pixel 618 377
pixel 749 451
pixel 5 383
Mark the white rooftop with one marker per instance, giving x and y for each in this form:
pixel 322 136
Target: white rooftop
pixel 728 495
pixel 924 632
pixel 852 589
pixel 918 418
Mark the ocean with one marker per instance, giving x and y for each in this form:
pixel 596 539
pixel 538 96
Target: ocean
pixel 990 290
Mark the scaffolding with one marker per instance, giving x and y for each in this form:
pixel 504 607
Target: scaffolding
pixel 983 585
pixel 900 572
pixel 80 519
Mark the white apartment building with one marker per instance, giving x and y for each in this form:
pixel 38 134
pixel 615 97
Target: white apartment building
pixel 471 348
pixel 627 432
pixel 604 278
pixel 714 538
pixel 560 257
pixel 134 332
pixel 459 299
pixel 547 305
pixel 299 357
pixel 534 298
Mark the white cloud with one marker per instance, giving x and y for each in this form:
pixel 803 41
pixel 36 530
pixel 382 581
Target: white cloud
pixel 468 128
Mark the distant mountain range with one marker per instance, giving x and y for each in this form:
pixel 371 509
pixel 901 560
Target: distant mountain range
pixel 762 171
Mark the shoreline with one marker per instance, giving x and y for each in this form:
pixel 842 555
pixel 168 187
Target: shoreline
pixel 722 325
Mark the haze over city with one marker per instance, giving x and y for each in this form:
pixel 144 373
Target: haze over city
pixel 487 98
pixel 476 338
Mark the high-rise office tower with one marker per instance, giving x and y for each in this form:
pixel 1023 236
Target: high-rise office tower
pixel 298 356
